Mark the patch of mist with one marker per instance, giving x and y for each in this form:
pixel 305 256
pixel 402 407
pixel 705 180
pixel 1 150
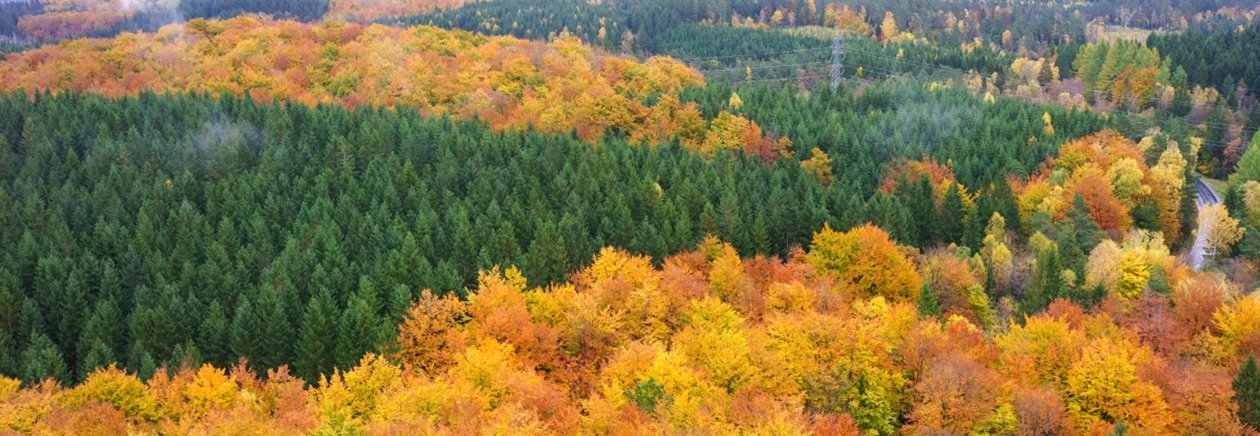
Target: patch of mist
pixel 222 144
pixel 153 13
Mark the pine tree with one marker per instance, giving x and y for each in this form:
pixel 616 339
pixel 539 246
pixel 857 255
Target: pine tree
pixel 1247 393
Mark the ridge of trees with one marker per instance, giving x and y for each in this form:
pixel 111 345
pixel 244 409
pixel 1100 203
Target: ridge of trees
pixel 555 87
pixel 213 207
pixel 711 342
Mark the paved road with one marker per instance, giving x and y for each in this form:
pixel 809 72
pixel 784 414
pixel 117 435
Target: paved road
pixel 1206 197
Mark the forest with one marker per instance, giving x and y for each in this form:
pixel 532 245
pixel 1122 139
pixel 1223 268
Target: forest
pixel 648 216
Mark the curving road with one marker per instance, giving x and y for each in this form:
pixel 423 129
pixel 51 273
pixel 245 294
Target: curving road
pixel 1206 197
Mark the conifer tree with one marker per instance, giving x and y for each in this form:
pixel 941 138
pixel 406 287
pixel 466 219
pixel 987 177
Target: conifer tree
pixel 42 360
pixel 928 304
pixel 214 335
pixel 359 331
pixel 98 355
pixel 316 338
pixel 1247 393
pixel 274 332
pixel 243 337
pixel 1088 234
pixel 104 325
pixel 953 215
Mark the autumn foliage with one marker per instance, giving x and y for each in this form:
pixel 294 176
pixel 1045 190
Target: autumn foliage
pixel 940 175
pixel 1109 173
pixel 714 343
pixel 69 24
pixel 556 87
pixel 64 19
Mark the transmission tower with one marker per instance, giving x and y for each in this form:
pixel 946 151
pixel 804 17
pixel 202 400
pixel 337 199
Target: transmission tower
pixel 837 60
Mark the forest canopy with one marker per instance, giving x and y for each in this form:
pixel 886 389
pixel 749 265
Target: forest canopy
pixel 557 87
pixel 659 216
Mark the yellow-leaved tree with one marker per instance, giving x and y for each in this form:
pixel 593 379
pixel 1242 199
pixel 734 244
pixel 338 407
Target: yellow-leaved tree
pixel 865 263
pixel 1103 387
pixel 1223 230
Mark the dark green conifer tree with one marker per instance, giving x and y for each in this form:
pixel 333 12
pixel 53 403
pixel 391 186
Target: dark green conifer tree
pixel 42 360
pixel 214 336
pixel 359 331
pixel 1088 234
pixel 953 216
pixel 1247 394
pixel 928 304
pixel 317 338
pixel 98 355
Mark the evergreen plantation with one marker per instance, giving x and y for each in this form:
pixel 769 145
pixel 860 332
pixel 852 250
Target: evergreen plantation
pixel 186 221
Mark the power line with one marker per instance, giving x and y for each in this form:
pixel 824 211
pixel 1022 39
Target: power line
pixel 817 49
pixel 931 68
pixel 922 65
pixel 837 60
pixel 762 67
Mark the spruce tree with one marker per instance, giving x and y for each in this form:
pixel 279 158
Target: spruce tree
pixel 953 215
pixel 1234 201
pixel 274 332
pixel 358 332
pixel 243 336
pixel 72 306
pixel 141 362
pixel 98 355
pixel 549 260
pixel 1004 203
pixel 973 228
pixel 1088 234
pixel 104 325
pixel 316 340
pixel 918 197
pixel 1048 286
pixel 1247 393
pixel 1189 206
pixel 760 234
pixel 214 336
pixel 42 360
pixel 928 304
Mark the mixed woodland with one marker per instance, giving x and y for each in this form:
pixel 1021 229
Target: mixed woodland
pixel 549 217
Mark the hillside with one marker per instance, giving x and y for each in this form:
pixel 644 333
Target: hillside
pixel 832 217
pixel 507 82
pixel 714 343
